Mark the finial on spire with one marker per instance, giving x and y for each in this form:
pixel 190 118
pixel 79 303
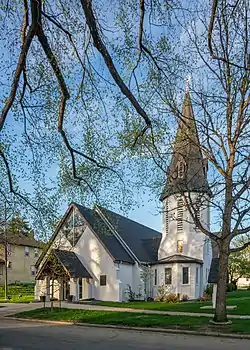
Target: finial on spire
pixel 188 81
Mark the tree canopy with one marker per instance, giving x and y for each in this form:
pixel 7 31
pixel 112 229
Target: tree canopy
pixel 91 96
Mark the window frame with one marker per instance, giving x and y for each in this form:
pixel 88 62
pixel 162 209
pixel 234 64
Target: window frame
pixel 103 283
pixel 27 251
pixel 180 251
pixel 155 277
pixel 1 269
pixel 165 279
pixel 188 277
pixel 197 275
pixel 36 252
pixel 32 270
pixel 180 170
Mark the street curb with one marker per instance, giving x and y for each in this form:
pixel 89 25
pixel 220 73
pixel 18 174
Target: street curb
pixel 138 329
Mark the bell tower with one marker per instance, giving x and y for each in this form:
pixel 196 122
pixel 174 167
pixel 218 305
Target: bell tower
pixel 186 178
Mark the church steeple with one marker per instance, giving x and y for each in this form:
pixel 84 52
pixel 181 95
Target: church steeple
pixel 187 170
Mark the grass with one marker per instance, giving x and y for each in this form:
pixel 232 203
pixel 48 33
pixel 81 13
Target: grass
pixel 240 298
pixel 131 319
pixel 16 290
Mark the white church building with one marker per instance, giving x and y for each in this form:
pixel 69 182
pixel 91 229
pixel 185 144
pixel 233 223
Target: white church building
pixel 100 254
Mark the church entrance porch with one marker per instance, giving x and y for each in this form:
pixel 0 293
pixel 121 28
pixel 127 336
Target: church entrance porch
pixel 62 277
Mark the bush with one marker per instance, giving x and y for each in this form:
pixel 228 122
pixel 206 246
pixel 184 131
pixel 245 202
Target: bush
pixel 209 290
pixel 131 294
pixel 162 292
pixel 230 287
pixel 206 297
pixel 171 298
pixel 185 297
pixel 248 288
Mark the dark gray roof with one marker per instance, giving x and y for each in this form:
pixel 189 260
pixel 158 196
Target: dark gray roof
pixel 186 150
pixel 142 240
pixel 213 276
pixel 72 263
pixel 106 236
pixel 178 258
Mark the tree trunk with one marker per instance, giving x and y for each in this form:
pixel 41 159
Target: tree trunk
pixel 220 311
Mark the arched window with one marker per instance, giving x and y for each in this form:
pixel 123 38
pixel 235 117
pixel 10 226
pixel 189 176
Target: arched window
pixel 181 170
pixel 179 215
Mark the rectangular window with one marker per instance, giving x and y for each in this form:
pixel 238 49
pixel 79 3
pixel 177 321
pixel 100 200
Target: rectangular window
pixel 179 246
pixel 168 275
pixel 197 275
pixel 26 251
pixel 1 269
pixel 155 277
pixel 9 265
pixel 103 280
pixel 32 270
pixel 36 252
pixel 185 275
pixel 166 216
pixel 180 215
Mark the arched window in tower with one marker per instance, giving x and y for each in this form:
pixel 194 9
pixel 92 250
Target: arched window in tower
pixel 166 216
pixel 180 215
pixel 181 170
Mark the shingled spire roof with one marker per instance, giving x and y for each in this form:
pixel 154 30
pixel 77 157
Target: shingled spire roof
pixel 187 172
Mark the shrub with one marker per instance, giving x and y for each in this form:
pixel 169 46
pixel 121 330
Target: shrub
pixel 248 288
pixel 171 298
pixel 150 299
pixel 131 294
pixel 230 287
pixel 209 289
pixel 185 297
pixel 162 292
pixel 206 297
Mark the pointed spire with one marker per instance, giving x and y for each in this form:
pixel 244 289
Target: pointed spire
pixel 186 172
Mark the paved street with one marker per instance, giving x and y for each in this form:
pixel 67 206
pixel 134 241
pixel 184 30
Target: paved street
pixel 19 335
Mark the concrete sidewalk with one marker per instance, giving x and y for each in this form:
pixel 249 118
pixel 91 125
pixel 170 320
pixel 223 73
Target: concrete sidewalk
pixel 10 309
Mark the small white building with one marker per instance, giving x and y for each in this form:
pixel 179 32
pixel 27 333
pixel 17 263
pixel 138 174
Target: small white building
pixel 100 254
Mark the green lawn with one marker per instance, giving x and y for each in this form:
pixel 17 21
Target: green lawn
pixel 132 319
pixel 19 293
pixel 240 298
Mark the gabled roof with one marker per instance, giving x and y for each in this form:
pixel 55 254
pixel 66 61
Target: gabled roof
pixel 124 239
pixel 72 263
pixel 179 258
pixel 186 151
pixel 142 240
pixel 104 233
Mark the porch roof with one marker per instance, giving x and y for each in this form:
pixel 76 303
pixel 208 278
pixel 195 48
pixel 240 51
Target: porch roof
pixel 70 262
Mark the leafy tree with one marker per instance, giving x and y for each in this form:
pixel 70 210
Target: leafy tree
pixel 113 80
pixel 19 226
pixel 238 266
